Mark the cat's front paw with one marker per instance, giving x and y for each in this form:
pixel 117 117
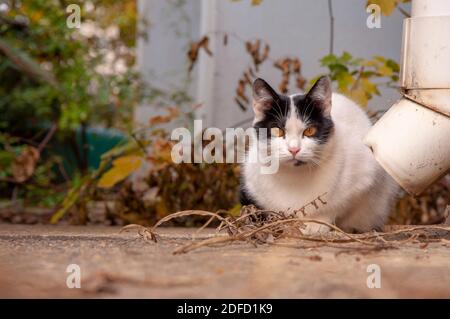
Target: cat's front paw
pixel 315 229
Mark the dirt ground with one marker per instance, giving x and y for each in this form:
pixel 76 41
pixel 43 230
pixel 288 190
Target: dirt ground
pixel 34 260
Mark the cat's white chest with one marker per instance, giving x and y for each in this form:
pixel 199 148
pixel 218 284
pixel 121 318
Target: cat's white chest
pixel 287 190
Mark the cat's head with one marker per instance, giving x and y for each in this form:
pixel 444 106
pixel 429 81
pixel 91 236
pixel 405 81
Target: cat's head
pixel 298 126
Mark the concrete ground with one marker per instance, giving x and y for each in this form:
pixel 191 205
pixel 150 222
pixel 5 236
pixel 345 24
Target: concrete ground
pixel 34 259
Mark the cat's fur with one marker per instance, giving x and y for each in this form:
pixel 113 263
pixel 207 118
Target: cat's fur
pixel 359 193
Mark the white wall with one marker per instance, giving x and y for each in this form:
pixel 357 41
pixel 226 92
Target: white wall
pixel 291 27
pixel 161 59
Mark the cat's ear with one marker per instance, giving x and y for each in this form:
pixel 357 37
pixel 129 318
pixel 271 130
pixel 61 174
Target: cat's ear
pixel 263 97
pixel 320 94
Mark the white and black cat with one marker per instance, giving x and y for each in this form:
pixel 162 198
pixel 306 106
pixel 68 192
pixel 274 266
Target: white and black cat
pixel 318 140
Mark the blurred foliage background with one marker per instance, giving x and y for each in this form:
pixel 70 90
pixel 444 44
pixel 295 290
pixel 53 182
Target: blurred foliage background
pixel 69 83
pixel 68 146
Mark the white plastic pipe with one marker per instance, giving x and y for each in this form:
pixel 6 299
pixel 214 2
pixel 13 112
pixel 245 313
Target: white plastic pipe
pixel 429 8
pixel 412 140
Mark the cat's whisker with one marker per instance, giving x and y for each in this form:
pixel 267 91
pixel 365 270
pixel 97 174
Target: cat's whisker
pixel 306 118
pixel 286 108
pixel 279 114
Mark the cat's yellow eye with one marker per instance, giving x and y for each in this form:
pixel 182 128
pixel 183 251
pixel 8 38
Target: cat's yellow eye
pixel 277 132
pixel 310 131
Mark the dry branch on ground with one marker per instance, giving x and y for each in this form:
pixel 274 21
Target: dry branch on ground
pixel 258 227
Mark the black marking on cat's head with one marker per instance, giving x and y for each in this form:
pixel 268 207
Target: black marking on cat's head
pixel 271 109
pixel 314 108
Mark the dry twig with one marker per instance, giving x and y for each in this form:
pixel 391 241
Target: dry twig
pixel 257 227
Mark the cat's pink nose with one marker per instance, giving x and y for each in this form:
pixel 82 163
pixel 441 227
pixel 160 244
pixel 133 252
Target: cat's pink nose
pixel 294 150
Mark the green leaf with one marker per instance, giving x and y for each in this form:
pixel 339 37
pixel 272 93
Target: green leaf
pixel 393 65
pixel 344 80
pixel 345 58
pixel 328 60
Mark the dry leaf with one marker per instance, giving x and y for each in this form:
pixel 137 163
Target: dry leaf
pixel 159 119
pixel 256 2
pixel 194 49
pixel 254 50
pixel 300 82
pixel 161 155
pixel 23 165
pixel 386 6
pixel 241 97
pixel 289 66
pixel 121 169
